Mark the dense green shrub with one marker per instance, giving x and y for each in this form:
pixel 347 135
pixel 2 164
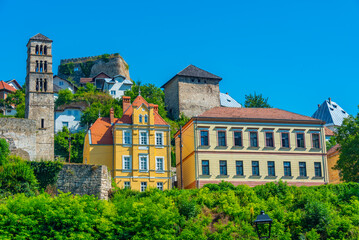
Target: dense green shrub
pixel 4 151
pixel 67 68
pixel 46 172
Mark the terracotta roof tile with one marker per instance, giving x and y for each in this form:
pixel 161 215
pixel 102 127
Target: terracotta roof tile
pixel 333 149
pixel 5 86
pixel 328 132
pixel 255 113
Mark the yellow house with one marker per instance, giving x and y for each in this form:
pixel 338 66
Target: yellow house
pixel 135 147
pixel 251 146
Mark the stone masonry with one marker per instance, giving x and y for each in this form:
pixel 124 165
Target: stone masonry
pixel 83 179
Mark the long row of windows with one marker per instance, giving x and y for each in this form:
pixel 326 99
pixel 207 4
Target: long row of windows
pixel 253 139
pixel 144 186
pixel 41 50
pixel 143 163
pixel 255 168
pixel 127 138
pixel 41 66
pixel 41 85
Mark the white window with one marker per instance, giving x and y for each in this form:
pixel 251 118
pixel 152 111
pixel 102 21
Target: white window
pixel 159 138
pixel 126 137
pixel 143 163
pixel 65 124
pixel 127 185
pixel 146 118
pixel 143 138
pixel 126 163
pixel 160 186
pixel 61 83
pixel 160 164
pixel 143 186
pixel 140 118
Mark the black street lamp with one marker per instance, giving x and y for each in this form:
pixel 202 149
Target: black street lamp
pixel 263 219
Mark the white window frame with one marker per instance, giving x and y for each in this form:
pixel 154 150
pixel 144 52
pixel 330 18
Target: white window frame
pixel 160 186
pixel 127 183
pixel 123 162
pixel 139 162
pixel 162 139
pixel 146 118
pixel 113 92
pixel 123 136
pixel 143 184
pixel 163 164
pixel 143 131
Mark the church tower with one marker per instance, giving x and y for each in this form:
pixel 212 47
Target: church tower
pixel 39 93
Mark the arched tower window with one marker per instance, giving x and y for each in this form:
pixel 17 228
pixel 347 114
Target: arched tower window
pixel 41 84
pixel 37 49
pixel 45 50
pixel 41 69
pixel 45 66
pixel 140 118
pixel 45 85
pixel 146 118
pixel 41 50
pixel 37 66
pixel 37 84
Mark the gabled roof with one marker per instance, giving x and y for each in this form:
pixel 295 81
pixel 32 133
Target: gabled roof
pixel 331 113
pixel 101 130
pixel 7 87
pixel 75 87
pixel 257 114
pixel 333 149
pixel 14 82
pixel 102 74
pixel 228 101
pixel 328 132
pixel 41 37
pixel 193 71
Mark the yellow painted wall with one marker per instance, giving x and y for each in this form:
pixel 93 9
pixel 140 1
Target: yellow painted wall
pixel 333 174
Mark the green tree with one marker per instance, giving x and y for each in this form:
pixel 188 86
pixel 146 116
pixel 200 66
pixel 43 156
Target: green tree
pixel 348 138
pixel 4 151
pixel 77 145
pixel 65 97
pixel 256 101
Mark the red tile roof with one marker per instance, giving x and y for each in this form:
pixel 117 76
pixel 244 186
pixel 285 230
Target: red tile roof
pixel 256 113
pixel 5 86
pixel 328 132
pixel 333 149
pixel 101 130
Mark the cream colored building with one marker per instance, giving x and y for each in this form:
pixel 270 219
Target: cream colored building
pixel 252 146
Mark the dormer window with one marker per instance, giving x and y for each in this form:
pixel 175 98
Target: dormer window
pixel 140 118
pixel 343 112
pixel 146 118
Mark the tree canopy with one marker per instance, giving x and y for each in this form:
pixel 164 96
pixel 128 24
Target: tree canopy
pixel 256 101
pixel 348 138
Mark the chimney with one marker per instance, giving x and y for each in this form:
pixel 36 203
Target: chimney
pixel 112 116
pixel 155 108
pixel 226 93
pixel 318 105
pixel 126 102
pixel 330 100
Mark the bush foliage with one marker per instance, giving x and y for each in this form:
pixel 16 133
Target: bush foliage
pixel 213 212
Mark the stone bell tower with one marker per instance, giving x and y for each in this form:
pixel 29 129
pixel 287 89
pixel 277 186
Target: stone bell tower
pixel 39 93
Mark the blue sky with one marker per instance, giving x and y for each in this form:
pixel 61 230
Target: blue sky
pixel 297 53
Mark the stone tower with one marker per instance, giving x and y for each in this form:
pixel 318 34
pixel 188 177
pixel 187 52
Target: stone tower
pixel 192 91
pixel 39 94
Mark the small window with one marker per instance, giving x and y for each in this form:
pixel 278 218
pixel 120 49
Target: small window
pixel 42 123
pixel 160 164
pixel 159 138
pixel 45 50
pixel 237 138
pixel 269 139
pixel 271 168
pixel 253 139
pixel 113 92
pixel 343 112
pixel 287 169
pixel 335 106
pixel 228 100
pixel 199 81
pixel 37 50
pixel 61 83
pixel 143 138
pixel 221 138
pixel 302 169
pixel 126 161
pixel 143 186
pixel 204 138
pixel 285 140
pixel 255 168
pixel 126 137
pixel 315 140
pixel 146 119
pixel 160 186
pixel 143 163
pixel 76 69
pixel 140 118
pixel 331 109
pixel 223 167
pixel 64 124
pixel 239 168
pixel 300 140
pixel 127 185
pixel 205 167
pixel 317 169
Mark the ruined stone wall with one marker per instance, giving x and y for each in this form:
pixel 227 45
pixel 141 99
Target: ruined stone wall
pixel 171 98
pixel 197 95
pixel 21 136
pixel 84 179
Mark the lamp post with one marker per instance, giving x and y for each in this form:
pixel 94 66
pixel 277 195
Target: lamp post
pixel 263 219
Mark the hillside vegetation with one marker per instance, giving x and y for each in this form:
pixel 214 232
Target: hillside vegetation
pixel 213 212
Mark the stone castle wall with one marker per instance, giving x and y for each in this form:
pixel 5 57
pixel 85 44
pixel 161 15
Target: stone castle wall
pixel 83 179
pixel 21 136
